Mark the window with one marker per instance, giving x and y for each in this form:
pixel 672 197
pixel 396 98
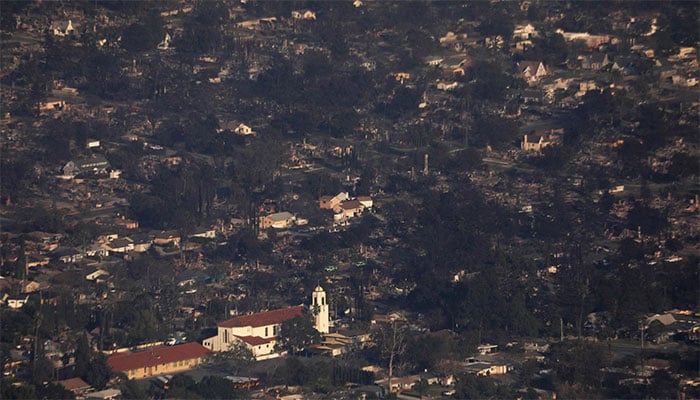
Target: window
pixel 225 336
pixel 265 331
pixel 274 330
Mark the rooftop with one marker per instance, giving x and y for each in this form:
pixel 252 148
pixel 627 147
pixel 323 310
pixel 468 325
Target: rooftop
pixel 163 355
pixel 255 340
pixel 264 318
pixel 74 384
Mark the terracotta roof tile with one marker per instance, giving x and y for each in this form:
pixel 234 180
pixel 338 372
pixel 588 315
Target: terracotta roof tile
pixel 264 318
pixel 74 384
pixel 162 355
pixel 256 340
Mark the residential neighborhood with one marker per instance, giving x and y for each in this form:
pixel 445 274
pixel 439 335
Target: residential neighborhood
pixel 349 199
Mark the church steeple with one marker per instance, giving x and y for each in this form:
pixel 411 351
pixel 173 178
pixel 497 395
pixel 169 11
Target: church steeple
pixel 320 308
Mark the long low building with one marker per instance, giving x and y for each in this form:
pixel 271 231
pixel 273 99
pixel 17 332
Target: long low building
pixel 158 361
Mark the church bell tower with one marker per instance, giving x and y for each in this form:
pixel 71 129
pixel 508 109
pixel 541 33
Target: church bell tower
pixel 319 305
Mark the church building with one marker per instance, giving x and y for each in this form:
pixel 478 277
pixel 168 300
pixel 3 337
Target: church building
pixel 259 332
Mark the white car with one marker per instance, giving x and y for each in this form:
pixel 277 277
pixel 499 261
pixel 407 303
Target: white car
pixel 171 341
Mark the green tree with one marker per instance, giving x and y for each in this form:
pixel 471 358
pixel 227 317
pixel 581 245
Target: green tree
pixel 144 326
pixel 682 165
pixel 494 131
pixel 294 372
pixel 215 387
pixel 298 333
pixel 22 390
pixel 99 372
pixel 132 390
pixel 54 391
pixel 83 355
pixel 550 48
pixel 497 21
pixel 237 358
pixel 144 36
pixel 428 350
pixel 470 386
pixel 180 388
pixel 42 369
pixel 662 43
pixel 422 387
pixel 578 364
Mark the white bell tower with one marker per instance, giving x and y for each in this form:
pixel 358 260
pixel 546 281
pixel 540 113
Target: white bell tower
pixel 319 305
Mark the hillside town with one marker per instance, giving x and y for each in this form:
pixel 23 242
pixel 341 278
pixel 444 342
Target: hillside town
pixel 349 199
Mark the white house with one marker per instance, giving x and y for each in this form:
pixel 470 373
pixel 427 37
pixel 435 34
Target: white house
pixel 447 86
pixel 484 349
pixel 330 202
pixel 536 143
pixel 97 165
pixel 524 32
pixel 303 14
pixel 165 44
pixel 121 245
pixel 207 233
pixel 348 209
pixel 540 141
pixel 486 368
pixel 96 274
pixel 62 28
pixel 15 302
pixel 280 220
pixel 244 130
pixel 366 201
pixel 68 255
pixel 97 250
pixel 533 71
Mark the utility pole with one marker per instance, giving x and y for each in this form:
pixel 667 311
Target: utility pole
pixel 36 339
pixel 561 329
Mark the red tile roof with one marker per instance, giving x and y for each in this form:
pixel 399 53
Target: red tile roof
pixel 162 355
pixel 256 340
pixel 74 384
pixel 264 318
